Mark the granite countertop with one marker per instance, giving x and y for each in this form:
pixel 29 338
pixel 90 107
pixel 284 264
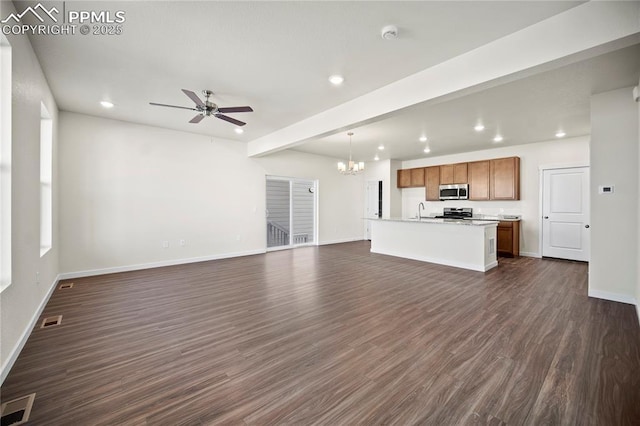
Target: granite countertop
pixel 501 218
pixel 431 220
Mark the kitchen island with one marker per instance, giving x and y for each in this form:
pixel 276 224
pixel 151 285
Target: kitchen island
pixel 468 244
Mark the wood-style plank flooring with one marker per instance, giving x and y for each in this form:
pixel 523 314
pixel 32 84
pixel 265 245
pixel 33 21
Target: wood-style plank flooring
pixel 333 335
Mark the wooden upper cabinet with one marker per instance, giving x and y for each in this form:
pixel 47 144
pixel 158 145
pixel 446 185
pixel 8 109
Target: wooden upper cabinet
pixel 411 178
pixel 417 177
pixel 453 173
pixel 479 180
pixel 497 179
pixel 505 179
pixel 446 174
pixel 460 173
pixel 432 183
pixel 404 178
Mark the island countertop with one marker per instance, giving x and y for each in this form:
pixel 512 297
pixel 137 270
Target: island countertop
pixel 433 220
pixel 468 244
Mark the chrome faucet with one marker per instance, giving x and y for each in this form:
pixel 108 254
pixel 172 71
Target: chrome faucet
pixel 419 214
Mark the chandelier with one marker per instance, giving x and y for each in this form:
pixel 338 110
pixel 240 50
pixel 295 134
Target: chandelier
pixel 351 168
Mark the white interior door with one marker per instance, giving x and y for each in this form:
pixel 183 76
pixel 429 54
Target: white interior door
pixel 565 213
pixel 374 203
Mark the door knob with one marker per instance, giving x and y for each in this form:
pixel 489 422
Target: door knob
pixel 546 217
pixel 586 226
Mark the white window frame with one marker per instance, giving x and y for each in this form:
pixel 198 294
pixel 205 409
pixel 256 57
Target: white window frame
pixel 46 180
pixel 291 180
pixel 5 162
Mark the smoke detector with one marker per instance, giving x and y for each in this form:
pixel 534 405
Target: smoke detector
pixel 389 32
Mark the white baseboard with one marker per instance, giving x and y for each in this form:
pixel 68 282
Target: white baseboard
pixel 13 356
pixel 340 241
pixel 638 311
pixel 531 254
pixel 128 268
pixel 615 297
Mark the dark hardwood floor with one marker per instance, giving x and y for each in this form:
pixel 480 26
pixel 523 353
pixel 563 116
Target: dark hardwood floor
pixel 333 335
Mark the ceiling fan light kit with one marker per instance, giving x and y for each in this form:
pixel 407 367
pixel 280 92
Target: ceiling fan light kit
pixel 208 108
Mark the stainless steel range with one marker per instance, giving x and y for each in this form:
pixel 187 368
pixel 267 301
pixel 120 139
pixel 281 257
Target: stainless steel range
pixel 456 213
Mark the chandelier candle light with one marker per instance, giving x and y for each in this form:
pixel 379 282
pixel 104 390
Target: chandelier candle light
pixel 351 168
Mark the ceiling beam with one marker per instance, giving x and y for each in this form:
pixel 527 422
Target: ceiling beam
pixel 584 31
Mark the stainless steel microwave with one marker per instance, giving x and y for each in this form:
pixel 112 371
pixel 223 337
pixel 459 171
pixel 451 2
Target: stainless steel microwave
pixel 459 191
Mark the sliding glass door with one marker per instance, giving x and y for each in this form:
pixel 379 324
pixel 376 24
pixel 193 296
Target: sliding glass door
pixel 291 212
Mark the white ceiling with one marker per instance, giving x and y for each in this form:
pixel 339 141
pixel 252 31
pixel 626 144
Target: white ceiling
pixel 528 110
pixel 277 56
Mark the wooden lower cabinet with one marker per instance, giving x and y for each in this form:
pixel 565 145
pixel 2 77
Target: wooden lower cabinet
pixel 509 238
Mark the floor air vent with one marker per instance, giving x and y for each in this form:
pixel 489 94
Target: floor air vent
pixel 65 285
pixel 51 321
pixel 17 411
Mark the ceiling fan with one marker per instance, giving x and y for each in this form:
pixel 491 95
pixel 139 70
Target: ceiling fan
pixel 208 108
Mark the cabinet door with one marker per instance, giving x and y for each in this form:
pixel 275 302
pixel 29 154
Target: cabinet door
pixel 446 174
pixel 417 177
pixel 505 179
pixel 479 180
pixel 505 239
pixel 460 173
pixel 432 183
pixel 404 178
pixel 509 238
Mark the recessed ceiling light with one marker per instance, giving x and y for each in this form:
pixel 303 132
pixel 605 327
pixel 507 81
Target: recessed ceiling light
pixel 336 80
pixel 427 150
pixel 561 134
pixel 106 104
pixel 423 138
pixel 381 147
pixel 239 130
pixel 376 157
pixel 498 138
pixel 479 128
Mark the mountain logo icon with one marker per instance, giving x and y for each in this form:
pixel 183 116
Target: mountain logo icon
pixel 34 11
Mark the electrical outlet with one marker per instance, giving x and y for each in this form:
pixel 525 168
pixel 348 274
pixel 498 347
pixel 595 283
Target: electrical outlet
pixel 165 244
pixel 183 243
pixel 37 277
pixel 238 237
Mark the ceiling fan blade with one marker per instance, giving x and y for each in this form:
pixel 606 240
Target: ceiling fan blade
pixel 230 120
pixel 194 97
pixel 172 106
pixel 235 109
pixel 198 118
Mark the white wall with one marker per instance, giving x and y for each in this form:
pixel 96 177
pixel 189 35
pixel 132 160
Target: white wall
pixel 340 198
pixel 614 217
pixel 126 188
pixel 20 303
pixel 571 151
pixel 638 238
pixel 385 170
